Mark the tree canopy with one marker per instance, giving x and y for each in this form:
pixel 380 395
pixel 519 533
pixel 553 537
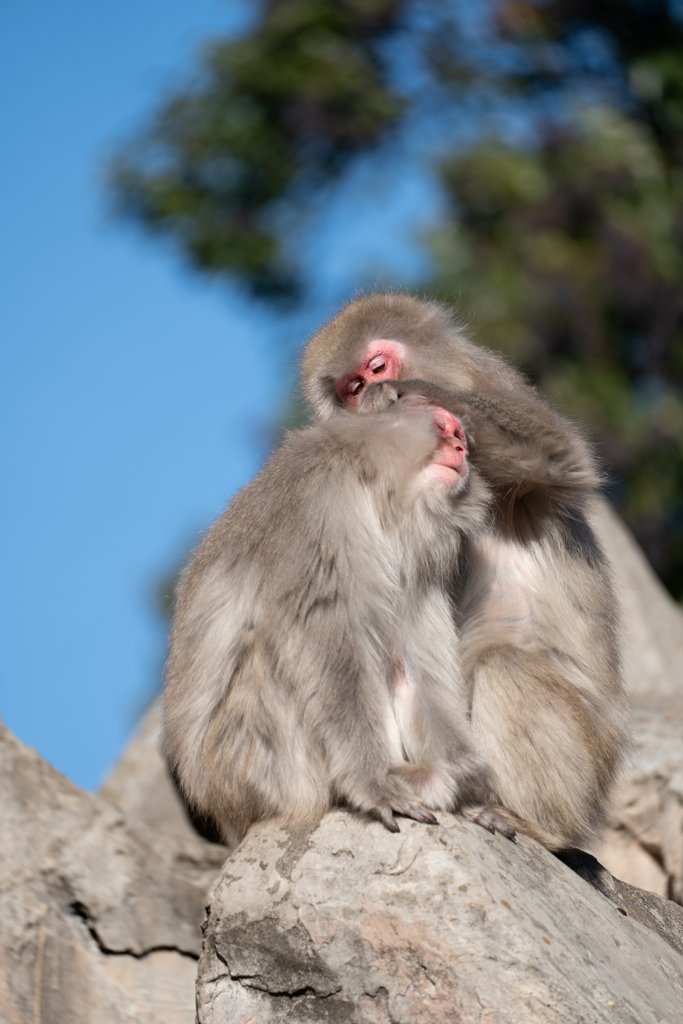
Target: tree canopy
pixel 564 237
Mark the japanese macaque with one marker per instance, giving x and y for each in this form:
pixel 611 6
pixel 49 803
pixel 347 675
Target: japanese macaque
pixel 538 622
pixel 314 655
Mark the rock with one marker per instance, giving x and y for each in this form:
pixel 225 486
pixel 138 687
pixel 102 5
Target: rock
pixel 100 916
pixel 657 914
pixel 645 843
pixel 653 622
pixel 346 922
pixel 141 786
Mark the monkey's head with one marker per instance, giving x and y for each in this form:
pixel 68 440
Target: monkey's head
pixel 416 473
pixel 392 336
pixel 445 464
pixel 412 446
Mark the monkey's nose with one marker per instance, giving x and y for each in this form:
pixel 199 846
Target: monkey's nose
pixel 449 425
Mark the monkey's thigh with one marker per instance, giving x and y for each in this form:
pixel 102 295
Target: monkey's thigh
pixel 542 741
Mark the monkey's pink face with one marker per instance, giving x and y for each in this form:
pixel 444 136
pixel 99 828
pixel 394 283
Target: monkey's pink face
pixel 383 360
pixel 449 465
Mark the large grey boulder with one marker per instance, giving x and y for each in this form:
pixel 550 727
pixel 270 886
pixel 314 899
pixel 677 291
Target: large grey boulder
pixel 653 622
pixel 346 922
pixel 100 916
pixel 645 842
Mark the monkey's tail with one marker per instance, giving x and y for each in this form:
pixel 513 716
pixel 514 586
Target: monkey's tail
pixel 529 828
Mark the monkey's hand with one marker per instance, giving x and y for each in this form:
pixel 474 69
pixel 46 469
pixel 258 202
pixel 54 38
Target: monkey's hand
pixel 492 822
pixel 391 796
pixel 414 393
pixel 379 397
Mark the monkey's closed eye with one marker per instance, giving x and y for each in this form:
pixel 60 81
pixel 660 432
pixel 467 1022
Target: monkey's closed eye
pixel 355 387
pixel 379 364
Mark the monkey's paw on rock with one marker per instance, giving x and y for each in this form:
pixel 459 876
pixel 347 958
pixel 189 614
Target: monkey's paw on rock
pixel 345 922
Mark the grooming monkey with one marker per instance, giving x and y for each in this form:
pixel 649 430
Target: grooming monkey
pixel 314 658
pixel 537 617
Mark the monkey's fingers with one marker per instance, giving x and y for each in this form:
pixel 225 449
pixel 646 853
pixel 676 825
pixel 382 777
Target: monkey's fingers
pixel 491 821
pixel 386 816
pixel 378 397
pixel 405 799
pixel 385 813
pixel 418 814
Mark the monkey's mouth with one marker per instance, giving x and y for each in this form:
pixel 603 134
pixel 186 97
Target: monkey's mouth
pixel 451 460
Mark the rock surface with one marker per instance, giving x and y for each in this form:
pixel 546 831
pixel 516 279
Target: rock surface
pixel 645 843
pixel 653 622
pixel 140 784
pixel 99 916
pixel 346 922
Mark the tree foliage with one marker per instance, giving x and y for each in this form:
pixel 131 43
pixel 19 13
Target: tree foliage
pixel 271 115
pixel 567 248
pixel 570 256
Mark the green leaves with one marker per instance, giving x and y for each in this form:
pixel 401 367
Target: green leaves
pixel 272 115
pixel 571 256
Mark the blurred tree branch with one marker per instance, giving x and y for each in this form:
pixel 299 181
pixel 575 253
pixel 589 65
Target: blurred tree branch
pixel 272 115
pixel 568 247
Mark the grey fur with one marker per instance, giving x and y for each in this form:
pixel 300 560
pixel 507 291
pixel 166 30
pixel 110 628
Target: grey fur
pixel 314 656
pixel 539 623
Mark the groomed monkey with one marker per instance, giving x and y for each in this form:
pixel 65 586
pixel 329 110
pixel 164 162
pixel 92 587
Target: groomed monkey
pixel 537 615
pixel 314 658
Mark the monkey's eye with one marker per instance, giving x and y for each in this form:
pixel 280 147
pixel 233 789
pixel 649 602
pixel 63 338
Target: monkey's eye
pixel 378 364
pixel 355 387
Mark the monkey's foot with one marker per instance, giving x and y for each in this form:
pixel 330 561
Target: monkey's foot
pixel 492 822
pixel 385 813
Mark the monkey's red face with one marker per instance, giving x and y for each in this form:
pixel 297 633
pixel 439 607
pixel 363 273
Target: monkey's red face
pixel 449 465
pixel 383 360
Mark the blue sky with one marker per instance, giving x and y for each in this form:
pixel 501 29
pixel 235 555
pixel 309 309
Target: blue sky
pixel 136 397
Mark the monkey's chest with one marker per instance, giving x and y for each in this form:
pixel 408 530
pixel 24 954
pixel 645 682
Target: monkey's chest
pixel 510 589
pixel 403 684
pixel 404 693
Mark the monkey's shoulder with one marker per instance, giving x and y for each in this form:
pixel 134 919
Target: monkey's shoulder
pixel 303 497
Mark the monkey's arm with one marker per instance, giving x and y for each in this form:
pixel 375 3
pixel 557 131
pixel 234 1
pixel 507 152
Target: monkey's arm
pixel 353 716
pixel 520 444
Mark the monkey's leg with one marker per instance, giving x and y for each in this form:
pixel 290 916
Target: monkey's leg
pixel 364 768
pixel 431 779
pixel 362 746
pixel 258 763
pixel 553 761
